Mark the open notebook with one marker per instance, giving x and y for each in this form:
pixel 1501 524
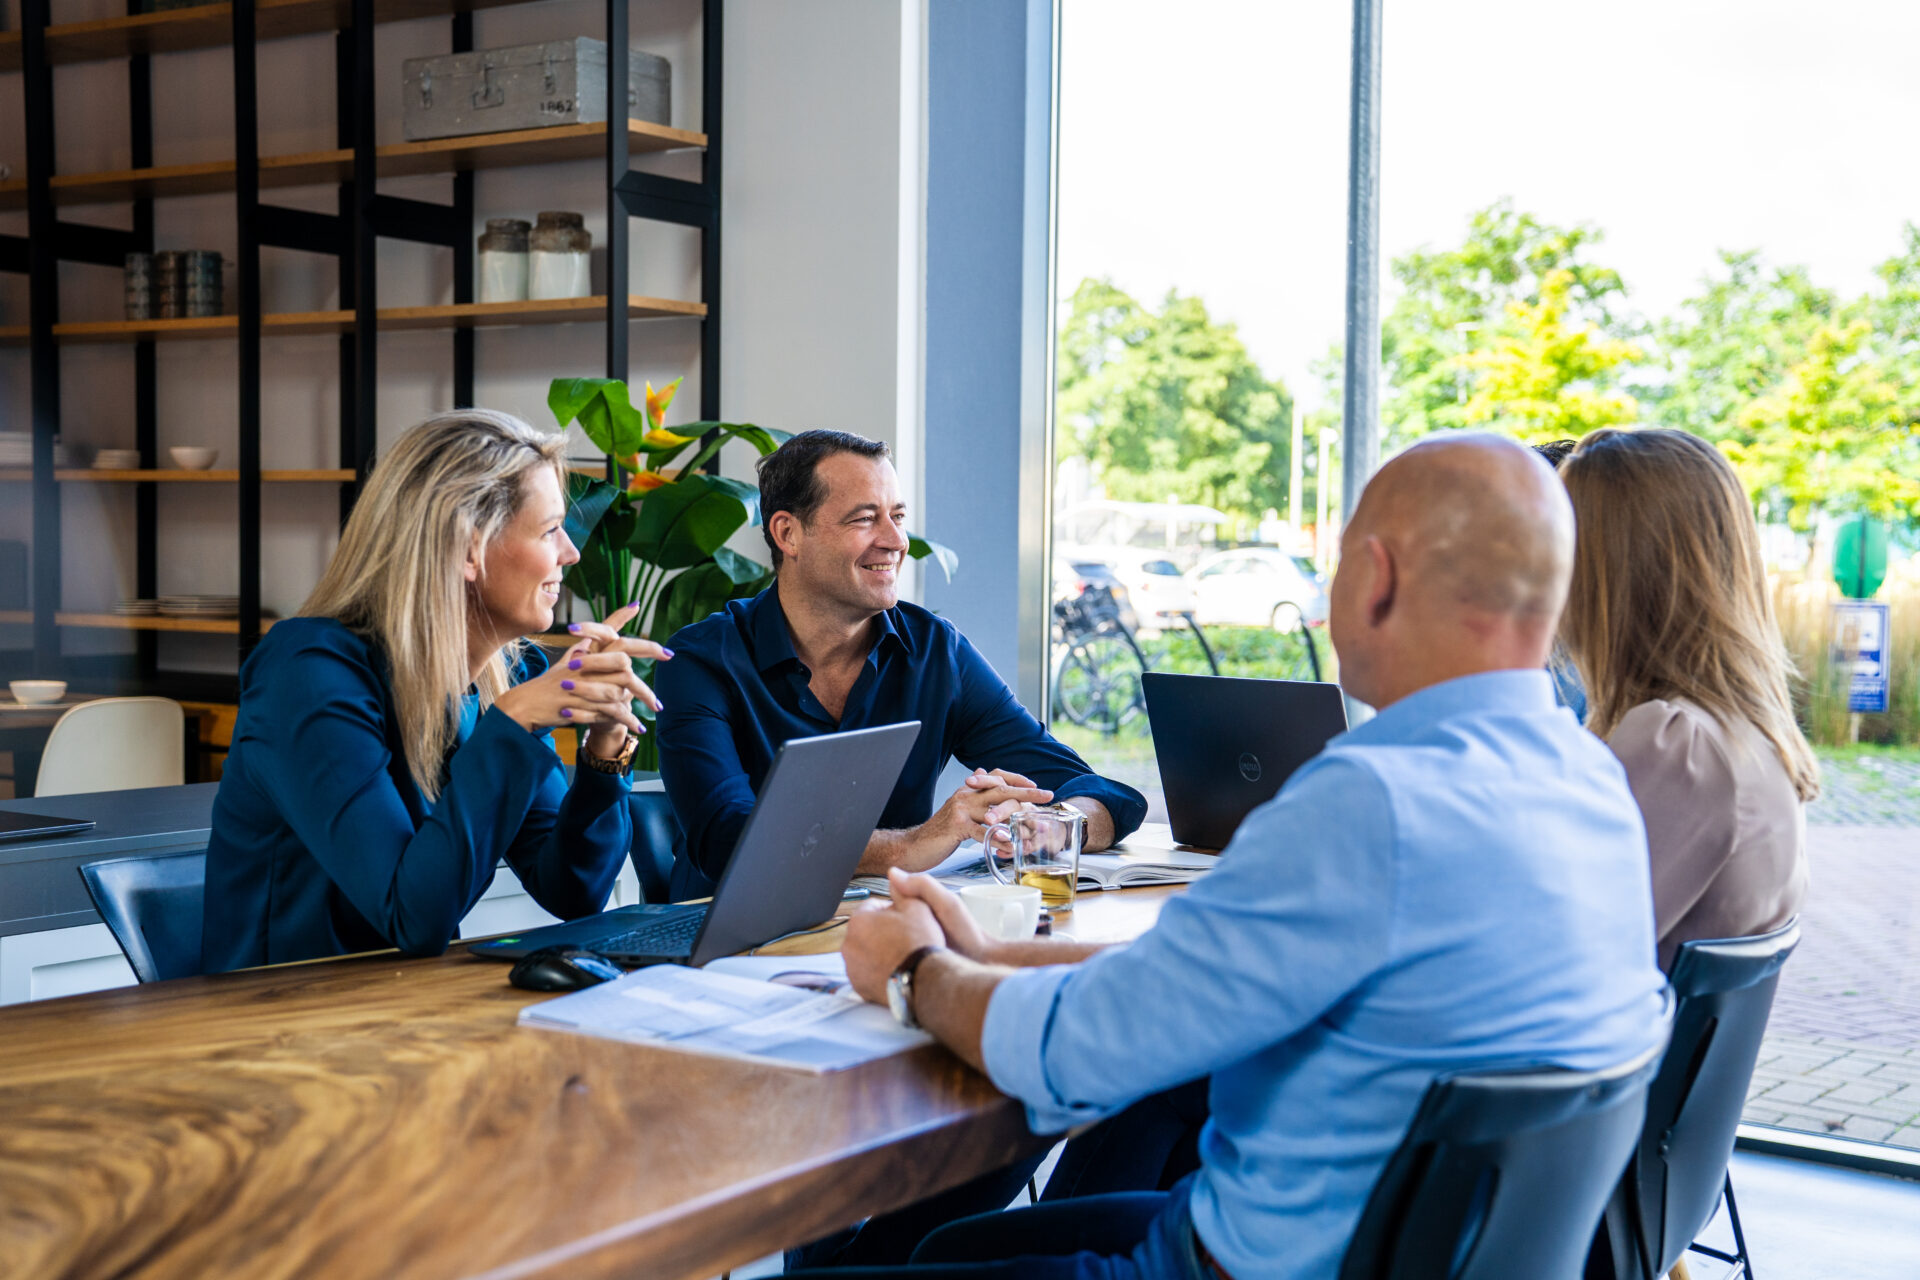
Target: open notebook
pixel 1148 856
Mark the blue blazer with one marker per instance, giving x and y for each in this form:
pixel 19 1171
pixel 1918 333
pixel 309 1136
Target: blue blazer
pixel 322 845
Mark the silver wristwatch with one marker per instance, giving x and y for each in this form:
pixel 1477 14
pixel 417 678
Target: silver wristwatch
pixel 900 988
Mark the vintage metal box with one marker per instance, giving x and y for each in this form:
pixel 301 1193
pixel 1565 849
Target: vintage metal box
pixel 525 87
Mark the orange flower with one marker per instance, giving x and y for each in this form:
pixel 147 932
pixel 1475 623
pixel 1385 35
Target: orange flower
pixel 646 481
pixel 661 438
pixel 631 462
pixel 657 401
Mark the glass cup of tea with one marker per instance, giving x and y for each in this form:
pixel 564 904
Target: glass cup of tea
pixel 1039 847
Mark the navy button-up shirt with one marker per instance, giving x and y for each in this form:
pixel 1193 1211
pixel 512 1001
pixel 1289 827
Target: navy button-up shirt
pixel 735 691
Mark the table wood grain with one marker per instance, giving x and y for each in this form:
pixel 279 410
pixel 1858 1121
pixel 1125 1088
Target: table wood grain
pixel 385 1117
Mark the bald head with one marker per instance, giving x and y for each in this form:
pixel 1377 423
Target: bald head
pixel 1465 543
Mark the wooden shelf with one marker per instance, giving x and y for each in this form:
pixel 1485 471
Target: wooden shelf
pixel 513 149
pixel 99 475
pixel 115 622
pixel 211 26
pixel 463 315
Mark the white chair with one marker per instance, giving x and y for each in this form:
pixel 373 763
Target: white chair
pixel 114 744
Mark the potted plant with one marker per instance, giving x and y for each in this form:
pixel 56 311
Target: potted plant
pixel 660 539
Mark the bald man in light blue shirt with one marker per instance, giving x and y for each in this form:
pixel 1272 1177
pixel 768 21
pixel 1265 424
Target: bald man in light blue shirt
pixel 1459 883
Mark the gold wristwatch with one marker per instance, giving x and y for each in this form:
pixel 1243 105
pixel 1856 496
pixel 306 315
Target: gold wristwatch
pixel 619 765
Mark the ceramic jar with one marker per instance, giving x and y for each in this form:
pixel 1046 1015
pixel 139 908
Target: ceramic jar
pixel 561 249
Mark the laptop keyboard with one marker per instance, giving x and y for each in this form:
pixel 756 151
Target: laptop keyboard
pixel 669 936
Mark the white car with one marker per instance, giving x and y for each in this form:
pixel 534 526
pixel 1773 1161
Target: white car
pixel 1257 587
pixel 1160 592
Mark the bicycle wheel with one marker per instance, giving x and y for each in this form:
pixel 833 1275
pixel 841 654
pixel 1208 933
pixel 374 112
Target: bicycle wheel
pixel 1098 682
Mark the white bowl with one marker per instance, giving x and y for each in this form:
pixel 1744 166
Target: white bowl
pixel 32 692
pixel 193 457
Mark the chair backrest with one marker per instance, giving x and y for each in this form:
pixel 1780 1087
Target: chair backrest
pixel 1502 1174
pixel 656 840
pixel 115 744
pixel 1724 988
pixel 155 907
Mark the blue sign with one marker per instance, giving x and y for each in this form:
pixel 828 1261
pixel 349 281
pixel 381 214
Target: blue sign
pixel 1860 652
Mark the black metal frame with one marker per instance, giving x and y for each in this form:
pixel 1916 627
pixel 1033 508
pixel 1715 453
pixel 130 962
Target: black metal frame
pixel 351 235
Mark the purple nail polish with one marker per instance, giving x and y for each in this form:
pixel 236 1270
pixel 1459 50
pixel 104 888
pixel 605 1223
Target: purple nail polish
pixel 566 713
pixel 668 652
pixel 567 685
pixel 633 604
pixel 574 627
pixel 573 665
pixel 659 706
pixel 643 728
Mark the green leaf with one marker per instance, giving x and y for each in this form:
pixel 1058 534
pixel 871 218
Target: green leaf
pixel 763 439
pixel 683 523
pixel 947 558
pixel 587 501
pixel 568 396
pixel 700 591
pixel 737 567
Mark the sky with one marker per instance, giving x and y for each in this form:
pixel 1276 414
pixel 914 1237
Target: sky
pixel 1203 146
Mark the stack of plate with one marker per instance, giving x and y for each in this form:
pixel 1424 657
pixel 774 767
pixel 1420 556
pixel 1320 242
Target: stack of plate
pixel 130 607
pixel 117 460
pixel 16 448
pixel 199 606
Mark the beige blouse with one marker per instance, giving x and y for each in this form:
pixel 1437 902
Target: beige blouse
pixel 1725 828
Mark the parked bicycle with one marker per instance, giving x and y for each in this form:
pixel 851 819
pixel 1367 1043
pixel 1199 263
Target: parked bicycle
pixel 1097 663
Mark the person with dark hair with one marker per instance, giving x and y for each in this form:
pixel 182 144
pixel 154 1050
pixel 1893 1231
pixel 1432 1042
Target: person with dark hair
pixel 831 646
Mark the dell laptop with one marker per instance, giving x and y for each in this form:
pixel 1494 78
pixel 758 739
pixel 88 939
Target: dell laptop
pixel 816 811
pixel 1227 744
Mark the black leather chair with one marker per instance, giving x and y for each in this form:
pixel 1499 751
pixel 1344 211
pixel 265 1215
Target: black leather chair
pixel 657 842
pixel 155 907
pixel 1502 1174
pixel 1678 1172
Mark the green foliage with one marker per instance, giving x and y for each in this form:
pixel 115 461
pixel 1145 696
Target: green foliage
pixel 1169 402
pixel 1733 342
pixel 1515 326
pixel 1830 435
pixel 1545 376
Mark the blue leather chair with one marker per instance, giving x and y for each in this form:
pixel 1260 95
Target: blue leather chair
pixel 657 844
pixel 1678 1173
pixel 155 907
pixel 1502 1174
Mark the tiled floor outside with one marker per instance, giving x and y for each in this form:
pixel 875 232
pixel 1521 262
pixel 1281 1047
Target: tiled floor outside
pixel 1842 1053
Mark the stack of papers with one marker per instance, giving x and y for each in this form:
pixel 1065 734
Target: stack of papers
pixel 787 1011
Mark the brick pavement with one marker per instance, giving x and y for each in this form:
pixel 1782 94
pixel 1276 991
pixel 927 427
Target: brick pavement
pixel 1842 1053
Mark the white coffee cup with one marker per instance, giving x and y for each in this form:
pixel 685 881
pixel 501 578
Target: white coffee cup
pixel 1005 912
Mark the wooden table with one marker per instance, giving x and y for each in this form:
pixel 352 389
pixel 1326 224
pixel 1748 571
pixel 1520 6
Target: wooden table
pixel 381 1116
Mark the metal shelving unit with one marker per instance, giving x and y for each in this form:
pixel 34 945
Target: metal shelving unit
pixel 350 235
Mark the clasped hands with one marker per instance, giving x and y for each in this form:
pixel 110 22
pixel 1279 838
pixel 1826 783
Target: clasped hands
pixel 923 913
pixel 591 685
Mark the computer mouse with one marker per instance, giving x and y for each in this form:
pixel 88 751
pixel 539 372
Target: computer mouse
pixel 561 969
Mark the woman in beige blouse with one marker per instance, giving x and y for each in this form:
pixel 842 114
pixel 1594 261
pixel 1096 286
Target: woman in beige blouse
pixel 1670 623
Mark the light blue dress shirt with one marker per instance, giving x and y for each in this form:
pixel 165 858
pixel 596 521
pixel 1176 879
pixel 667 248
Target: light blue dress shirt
pixel 1460 882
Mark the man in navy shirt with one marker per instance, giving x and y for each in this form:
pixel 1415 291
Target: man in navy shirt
pixel 830 646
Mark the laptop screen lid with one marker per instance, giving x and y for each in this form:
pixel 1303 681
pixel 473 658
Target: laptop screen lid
pixel 817 808
pixel 1226 745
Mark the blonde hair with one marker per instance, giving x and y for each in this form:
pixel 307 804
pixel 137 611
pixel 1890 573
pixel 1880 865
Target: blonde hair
pixel 1669 596
pixel 449 484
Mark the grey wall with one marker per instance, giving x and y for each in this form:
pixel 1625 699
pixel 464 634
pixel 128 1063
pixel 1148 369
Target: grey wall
pixel 987 374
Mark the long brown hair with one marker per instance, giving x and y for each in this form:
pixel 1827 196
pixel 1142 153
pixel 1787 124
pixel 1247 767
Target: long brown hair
pixel 1669 596
pixel 452 482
